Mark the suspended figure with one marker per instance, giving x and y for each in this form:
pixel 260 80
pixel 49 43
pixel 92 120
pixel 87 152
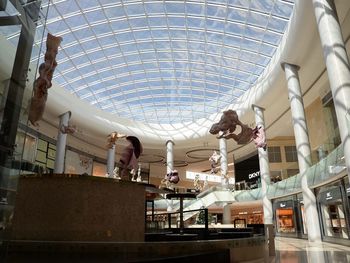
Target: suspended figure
pixel 214 160
pixel 43 82
pixel 130 156
pixel 228 124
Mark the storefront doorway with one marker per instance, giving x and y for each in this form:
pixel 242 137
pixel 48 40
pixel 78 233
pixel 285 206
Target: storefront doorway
pixel 289 214
pixel 333 205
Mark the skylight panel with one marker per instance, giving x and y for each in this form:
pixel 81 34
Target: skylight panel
pixel 175 8
pixel 114 12
pixel 174 21
pixel 89 4
pixel 216 11
pixel 66 7
pixel 134 9
pixel 189 58
pixel 282 9
pixel 95 16
pixel 154 8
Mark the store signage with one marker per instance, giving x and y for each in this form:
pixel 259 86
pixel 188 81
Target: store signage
pixel 254 175
pixel 207 177
pixel 282 205
pixel 329 196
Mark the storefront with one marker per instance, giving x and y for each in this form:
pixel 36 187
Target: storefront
pixel 285 217
pixel 334 212
pixel 289 216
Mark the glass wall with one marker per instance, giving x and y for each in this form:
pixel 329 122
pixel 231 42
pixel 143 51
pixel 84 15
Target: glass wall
pixel 289 215
pixel 334 212
pixel 21 34
pixel 285 217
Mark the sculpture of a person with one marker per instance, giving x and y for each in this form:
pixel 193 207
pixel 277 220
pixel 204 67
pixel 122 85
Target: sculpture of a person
pixel 130 155
pixel 196 183
pixel 139 178
pixel 116 173
pixel 43 82
pixel 214 159
pixel 259 138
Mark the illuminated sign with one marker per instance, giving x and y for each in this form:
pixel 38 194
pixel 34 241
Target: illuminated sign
pixel 329 196
pixel 254 175
pixel 208 177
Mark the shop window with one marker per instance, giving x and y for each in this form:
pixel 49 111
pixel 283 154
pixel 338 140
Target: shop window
pixel 285 220
pixel 76 163
pixel 99 169
pixel 274 154
pixel 291 153
pixel 45 154
pixel 29 148
pixel 333 210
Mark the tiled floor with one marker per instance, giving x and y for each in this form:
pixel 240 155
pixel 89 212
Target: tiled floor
pixel 291 250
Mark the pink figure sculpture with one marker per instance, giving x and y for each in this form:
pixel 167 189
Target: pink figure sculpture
pixel 43 82
pixel 259 138
pixel 214 159
pixel 130 155
pixel 173 177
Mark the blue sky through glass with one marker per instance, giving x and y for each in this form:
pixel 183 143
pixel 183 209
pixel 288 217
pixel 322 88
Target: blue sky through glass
pixel 164 61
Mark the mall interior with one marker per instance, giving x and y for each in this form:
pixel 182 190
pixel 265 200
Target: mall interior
pixel 174 131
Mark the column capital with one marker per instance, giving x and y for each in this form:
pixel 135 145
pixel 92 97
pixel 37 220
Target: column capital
pixel 254 106
pixel 166 143
pixel 283 64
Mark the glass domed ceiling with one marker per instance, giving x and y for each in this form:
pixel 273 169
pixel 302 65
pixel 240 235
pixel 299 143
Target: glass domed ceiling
pixel 165 61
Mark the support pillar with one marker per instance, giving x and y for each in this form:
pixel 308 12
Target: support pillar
pixel 169 166
pixel 223 162
pixel 169 156
pixel 338 67
pixel 61 143
pixel 226 219
pixel 264 168
pixel 303 149
pixel 110 161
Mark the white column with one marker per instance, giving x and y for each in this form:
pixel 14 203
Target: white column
pixel 61 143
pixel 338 67
pixel 169 156
pixel 110 160
pixel 303 149
pixel 264 168
pixel 226 219
pixel 169 167
pixel 223 161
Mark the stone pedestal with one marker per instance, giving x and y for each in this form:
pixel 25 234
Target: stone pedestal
pixel 78 208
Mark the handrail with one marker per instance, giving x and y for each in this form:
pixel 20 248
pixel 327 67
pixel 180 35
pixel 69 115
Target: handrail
pixel 328 169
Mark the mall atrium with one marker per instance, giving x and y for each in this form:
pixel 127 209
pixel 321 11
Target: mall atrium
pixel 174 131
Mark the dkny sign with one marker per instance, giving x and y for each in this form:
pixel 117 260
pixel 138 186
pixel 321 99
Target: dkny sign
pixel 254 175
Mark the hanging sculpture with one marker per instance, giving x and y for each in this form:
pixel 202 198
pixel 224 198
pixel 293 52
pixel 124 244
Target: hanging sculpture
pixel 228 124
pixel 214 160
pixel 130 155
pixel 43 82
pixel 170 179
pixel 259 137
